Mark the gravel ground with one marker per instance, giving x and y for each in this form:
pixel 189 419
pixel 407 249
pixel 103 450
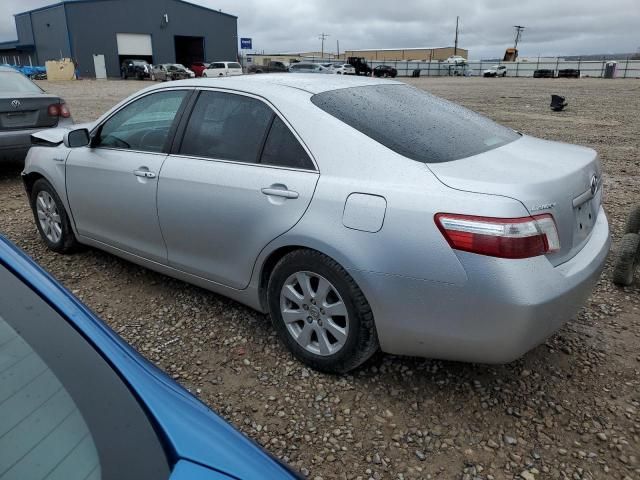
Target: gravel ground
pixel 568 409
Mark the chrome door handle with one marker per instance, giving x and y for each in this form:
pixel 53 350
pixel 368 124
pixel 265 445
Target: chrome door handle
pixel 278 192
pixel 144 174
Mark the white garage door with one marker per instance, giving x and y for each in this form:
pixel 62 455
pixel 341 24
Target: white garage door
pixel 134 44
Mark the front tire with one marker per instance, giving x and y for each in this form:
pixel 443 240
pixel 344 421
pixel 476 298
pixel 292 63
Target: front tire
pixel 320 313
pixel 51 218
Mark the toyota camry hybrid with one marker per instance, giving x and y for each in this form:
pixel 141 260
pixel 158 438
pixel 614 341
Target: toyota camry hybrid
pixel 361 214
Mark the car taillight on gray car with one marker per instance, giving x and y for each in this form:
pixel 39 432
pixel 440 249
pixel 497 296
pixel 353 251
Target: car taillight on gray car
pixel 59 110
pixel 500 237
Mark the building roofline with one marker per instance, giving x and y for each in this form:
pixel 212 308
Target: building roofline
pixel 204 8
pixel 54 5
pixel 71 2
pixel 398 49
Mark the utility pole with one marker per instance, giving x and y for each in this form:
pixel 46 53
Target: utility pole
pixel 519 29
pixel 322 36
pixel 455 43
pixel 338 48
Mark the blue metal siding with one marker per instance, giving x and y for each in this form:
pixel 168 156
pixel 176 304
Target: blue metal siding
pixel 50 34
pixel 24 29
pixel 93 26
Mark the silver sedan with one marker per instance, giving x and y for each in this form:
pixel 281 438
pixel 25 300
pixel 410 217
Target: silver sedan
pixel 361 214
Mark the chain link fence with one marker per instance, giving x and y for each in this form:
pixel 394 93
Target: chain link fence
pixel 625 68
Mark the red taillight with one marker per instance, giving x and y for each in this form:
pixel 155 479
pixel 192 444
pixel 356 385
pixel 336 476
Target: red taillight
pixel 500 237
pixel 59 110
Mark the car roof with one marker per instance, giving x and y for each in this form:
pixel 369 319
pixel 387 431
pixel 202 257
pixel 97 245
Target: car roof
pixel 311 83
pixel 8 69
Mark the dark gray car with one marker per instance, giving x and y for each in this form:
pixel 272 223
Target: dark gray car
pixel 24 109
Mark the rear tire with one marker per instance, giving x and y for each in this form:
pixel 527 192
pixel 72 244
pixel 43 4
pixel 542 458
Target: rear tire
pixel 628 257
pixel 51 218
pixel 342 305
pixel 633 221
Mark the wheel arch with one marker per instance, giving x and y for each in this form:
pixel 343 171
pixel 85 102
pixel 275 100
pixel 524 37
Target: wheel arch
pixel 56 179
pixel 272 258
pixel 29 179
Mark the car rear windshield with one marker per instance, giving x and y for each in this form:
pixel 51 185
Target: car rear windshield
pixel 414 123
pixel 11 82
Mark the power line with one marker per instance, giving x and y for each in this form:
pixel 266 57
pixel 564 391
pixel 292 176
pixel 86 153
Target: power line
pixel 455 48
pixel 519 29
pixel 322 36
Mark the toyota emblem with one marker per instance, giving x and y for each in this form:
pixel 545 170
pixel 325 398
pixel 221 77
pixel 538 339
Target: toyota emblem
pixel 16 103
pixel 594 184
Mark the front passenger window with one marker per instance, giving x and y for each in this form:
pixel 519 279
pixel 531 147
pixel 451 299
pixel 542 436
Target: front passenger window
pixel 144 124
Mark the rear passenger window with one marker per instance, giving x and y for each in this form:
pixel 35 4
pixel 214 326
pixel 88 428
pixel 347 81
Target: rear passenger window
pixel 283 149
pixel 226 126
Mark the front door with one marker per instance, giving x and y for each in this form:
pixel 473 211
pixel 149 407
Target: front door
pixel 239 179
pixel 112 185
pixel 99 66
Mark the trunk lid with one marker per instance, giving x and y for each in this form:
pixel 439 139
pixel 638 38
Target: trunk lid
pixel 24 111
pixel 546 177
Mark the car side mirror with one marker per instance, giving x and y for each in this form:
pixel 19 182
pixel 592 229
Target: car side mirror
pixel 77 138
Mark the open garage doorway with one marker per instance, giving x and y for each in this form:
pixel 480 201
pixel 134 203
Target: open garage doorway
pixel 189 50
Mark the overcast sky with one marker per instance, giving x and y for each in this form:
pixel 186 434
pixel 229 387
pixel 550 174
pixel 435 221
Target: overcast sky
pixel 553 27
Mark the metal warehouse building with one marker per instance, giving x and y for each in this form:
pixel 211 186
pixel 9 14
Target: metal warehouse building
pixel 99 34
pixel 413 53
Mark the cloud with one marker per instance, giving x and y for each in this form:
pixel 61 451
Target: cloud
pixel 553 27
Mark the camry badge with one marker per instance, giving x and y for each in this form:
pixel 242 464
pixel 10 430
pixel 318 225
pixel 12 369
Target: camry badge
pixel 544 206
pixel 594 184
pixel 16 103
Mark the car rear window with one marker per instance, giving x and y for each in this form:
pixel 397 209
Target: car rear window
pixel 11 82
pixel 414 123
pixel 234 65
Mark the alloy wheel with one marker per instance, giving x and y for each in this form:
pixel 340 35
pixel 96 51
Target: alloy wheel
pixel 48 216
pixel 314 313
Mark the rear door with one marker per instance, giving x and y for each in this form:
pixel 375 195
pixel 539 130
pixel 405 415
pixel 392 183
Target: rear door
pixel 238 179
pixel 112 185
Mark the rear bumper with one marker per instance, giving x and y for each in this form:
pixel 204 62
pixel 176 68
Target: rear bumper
pixel 506 307
pixel 14 144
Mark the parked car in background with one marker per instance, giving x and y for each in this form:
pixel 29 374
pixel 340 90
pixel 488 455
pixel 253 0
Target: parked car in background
pixel 170 71
pixel 343 69
pixel 77 402
pixel 544 73
pixel 501 240
pixel 271 67
pixel 139 69
pixel 180 66
pixel 199 67
pixel 360 65
pixel 303 67
pixel 568 73
pixel 223 69
pixel 24 109
pixel 495 71
pixel 455 59
pixel 385 71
